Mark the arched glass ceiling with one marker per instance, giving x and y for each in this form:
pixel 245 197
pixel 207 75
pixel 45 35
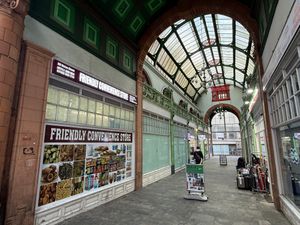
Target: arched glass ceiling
pixel 209 50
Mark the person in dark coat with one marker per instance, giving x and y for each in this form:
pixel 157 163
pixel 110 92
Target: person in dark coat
pixel 198 156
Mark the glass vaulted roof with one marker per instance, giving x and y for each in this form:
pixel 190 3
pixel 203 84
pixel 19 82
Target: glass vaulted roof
pixel 209 50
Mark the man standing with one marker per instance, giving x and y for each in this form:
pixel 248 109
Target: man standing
pixel 198 156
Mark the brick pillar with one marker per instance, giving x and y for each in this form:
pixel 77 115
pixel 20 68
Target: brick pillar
pixel 12 15
pixel 139 132
pixel 27 145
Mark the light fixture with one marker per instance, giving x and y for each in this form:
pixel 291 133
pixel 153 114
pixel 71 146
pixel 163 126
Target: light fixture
pixel 220 110
pixel 250 91
pixel 247 102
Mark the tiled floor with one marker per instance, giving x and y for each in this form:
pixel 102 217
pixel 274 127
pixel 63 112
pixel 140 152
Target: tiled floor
pixel 162 203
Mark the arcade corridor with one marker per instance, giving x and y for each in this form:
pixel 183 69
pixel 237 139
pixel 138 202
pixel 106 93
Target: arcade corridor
pixel 102 103
pixel 162 203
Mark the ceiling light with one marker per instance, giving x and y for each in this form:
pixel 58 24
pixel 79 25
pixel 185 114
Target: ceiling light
pixel 250 91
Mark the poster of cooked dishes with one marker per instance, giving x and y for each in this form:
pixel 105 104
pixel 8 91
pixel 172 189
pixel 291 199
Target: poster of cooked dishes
pixel 71 166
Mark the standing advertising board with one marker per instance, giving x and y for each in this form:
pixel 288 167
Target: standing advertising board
pixel 195 182
pixel 77 161
pixel 195 178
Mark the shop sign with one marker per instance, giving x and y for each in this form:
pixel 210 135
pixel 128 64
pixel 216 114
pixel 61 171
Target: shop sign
pixel 55 133
pixel 87 161
pixel 287 34
pixel 78 76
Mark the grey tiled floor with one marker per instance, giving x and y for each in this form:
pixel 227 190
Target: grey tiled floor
pixel 162 203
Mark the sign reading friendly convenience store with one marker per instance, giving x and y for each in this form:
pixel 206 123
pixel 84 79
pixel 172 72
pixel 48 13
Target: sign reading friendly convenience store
pixel 66 71
pixel 55 133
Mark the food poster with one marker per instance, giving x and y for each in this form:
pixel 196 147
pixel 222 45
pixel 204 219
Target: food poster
pixel 195 178
pixel 69 169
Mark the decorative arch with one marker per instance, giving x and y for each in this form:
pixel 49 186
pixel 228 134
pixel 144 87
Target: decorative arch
pixel 188 9
pixel 228 107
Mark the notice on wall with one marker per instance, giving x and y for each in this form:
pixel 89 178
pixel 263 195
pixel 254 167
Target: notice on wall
pixel 77 160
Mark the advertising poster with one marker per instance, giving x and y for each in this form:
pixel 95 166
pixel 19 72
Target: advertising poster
pixel 195 177
pixel 77 160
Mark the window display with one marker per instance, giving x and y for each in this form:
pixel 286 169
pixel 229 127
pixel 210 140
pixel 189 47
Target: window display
pixel 77 160
pixel 290 141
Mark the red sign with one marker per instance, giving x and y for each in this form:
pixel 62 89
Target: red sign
pixel 220 93
pixel 55 133
pixel 78 76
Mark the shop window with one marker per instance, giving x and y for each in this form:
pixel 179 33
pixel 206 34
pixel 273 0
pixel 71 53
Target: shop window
pixel 111 48
pixel 82 117
pixel 98 120
pixel 72 116
pixel 62 113
pixel 290 141
pixel 52 95
pixel 99 107
pixel 64 14
pixel 220 93
pixel 91 33
pixel 64 106
pixel 50 112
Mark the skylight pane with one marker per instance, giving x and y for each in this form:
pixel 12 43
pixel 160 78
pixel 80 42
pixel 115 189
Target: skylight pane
pixel 197 60
pixel 227 55
pixel 240 59
pixel 166 62
pixel 216 53
pixel 250 67
pixel 210 26
pixel 154 47
pixel 228 72
pixel 239 76
pixel 190 90
pixel 181 80
pixel 242 36
pixel 188 69
pixel 207 52
pixel 188 37
pixel 200 29
pixel 224 26
pixel 175 48
pixel 165 33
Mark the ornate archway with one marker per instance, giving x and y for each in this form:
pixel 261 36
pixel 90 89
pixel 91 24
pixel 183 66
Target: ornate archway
pixel 228 107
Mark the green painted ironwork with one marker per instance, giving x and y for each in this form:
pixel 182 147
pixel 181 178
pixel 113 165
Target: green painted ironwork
pixel 159 99
pixel 62 15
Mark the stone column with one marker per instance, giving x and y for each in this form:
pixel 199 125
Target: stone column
pixel 268 135
pixel 139 132
pixel 28 136
pixel 12 15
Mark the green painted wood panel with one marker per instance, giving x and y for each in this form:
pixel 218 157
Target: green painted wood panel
pixel 180 151
pixel 156 153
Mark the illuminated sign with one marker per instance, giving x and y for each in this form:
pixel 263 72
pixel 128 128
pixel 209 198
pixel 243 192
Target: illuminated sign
pixel 69 72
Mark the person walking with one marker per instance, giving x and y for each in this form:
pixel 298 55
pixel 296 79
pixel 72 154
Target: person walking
pixel 198 156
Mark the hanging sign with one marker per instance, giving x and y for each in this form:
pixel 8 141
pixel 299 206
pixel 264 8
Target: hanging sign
pixel 66 71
